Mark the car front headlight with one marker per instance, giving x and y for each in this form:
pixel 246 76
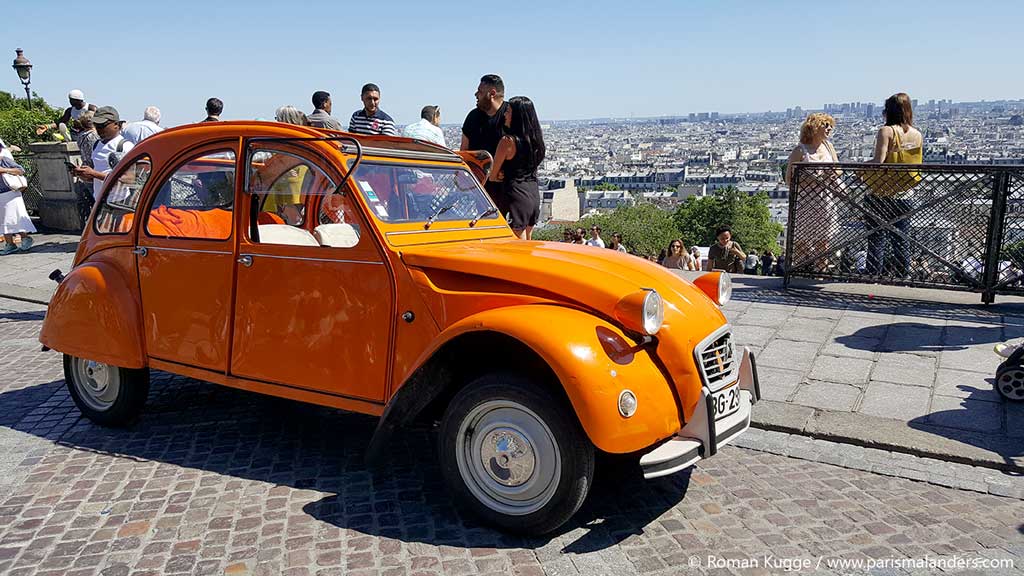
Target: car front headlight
pixel 724 288
pixel 642 311
pixel 653 312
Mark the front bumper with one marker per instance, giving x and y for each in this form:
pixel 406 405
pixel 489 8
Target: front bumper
pixel 703 435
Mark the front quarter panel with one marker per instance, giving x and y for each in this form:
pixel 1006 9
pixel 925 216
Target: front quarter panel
pixel 593 363
pixel 94 315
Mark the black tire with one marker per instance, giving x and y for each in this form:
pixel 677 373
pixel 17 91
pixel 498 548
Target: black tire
pixel 1010 381
pixel 115 402
pixel 506 409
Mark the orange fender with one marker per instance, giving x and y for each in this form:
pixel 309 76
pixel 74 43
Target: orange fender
pixel 95 315
pixel 594 361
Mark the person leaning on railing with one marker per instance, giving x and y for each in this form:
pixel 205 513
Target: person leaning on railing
pixel 898 142
pixel 815 206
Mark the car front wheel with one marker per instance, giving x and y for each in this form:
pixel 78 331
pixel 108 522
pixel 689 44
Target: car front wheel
pixel 107 395
pixel 515 455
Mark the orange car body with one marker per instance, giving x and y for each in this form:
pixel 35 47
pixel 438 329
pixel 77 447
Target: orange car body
pixel 352 327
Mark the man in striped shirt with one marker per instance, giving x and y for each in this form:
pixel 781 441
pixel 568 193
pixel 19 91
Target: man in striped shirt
pixel 371 119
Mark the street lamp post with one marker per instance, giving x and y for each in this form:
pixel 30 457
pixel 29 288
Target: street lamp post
pixel 24 69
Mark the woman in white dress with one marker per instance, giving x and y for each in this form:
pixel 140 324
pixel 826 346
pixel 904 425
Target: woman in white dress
pixel 15 221
pixel 816 203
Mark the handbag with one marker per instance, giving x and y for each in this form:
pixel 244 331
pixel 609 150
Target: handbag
pixel 889 183
pixel 16 183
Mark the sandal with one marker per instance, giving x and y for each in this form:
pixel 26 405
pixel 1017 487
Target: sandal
pixel 8 249
pixel 26 243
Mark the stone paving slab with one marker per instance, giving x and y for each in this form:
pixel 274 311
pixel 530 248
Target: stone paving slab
pixel 910 367
pixel 213 480
pixel 24 275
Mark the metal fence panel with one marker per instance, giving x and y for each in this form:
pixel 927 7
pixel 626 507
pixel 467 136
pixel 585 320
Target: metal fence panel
pixel 920 225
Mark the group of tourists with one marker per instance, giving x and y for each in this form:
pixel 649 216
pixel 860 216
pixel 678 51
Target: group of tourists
pixel 510 131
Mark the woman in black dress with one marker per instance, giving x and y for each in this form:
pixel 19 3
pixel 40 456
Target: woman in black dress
pixel 519 154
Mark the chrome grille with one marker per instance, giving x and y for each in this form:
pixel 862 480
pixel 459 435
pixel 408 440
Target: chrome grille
pixel 717 360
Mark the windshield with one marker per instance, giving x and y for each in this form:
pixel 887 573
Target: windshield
pixel 402 193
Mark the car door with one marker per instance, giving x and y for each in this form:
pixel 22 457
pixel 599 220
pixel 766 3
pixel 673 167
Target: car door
pixel 314 299
pixel 185 259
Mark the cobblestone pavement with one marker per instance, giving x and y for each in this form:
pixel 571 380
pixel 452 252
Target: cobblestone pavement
pixel 218 481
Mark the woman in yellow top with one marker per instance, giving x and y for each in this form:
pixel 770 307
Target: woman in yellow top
pixel 898 142
pixel 286 197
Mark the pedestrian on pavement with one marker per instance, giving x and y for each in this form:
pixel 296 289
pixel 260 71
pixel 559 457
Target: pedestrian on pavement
pixel 595 237
pixel 767 263
pixel 780 265
pixel 484 127
pixel 818 191
pixel 889 204
pixel 87 137
pixel 136 132
pixel 677 257
pixel 370 119
pixel 214 108
pixel 725 254
pixel 519 155
pixel 291 115
pixel 578 236
pixel 107 152
pixel 78 107
pixel 15 223
pixel 616 243
pixel 750 264
pixel 428 126
pixel 321 116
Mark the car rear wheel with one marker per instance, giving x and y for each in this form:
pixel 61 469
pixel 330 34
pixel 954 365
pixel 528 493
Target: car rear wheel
pixel 514 455
pixel 107 395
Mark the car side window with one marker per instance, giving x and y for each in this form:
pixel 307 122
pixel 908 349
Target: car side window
pixel 281 188
pixel 116 214
pixel 196 201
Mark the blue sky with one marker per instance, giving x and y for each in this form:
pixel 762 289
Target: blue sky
pixel 575 59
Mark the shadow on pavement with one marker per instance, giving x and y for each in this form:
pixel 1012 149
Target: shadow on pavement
pixel 977 422
pixel 203 426
pixel 769 290
pixel 918 337
pixel 21 316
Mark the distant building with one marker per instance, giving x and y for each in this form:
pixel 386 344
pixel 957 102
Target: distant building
pixel 560 202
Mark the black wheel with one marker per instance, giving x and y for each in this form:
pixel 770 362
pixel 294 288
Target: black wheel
pixel 107 395
pixel 1010 382
pixel 514 455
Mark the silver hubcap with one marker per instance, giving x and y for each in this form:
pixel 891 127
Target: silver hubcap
pixel 508 457
pixel 97 384
pixel 1011 384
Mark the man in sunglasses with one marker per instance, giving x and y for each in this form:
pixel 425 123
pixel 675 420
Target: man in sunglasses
pixel 595 237
pixel 108 151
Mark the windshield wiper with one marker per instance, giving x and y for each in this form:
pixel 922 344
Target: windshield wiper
pixel 441 210
pixel 484 214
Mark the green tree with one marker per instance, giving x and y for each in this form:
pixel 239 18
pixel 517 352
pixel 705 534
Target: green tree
pixel 18 124
pixel 645 228
pixel 605 186
pixel 748 216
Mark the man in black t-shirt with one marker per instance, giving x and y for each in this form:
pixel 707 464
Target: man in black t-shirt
pixel 485 125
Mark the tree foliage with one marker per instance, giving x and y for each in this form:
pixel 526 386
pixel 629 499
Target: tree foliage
pixel 18 124
pixel 646 229
pixel 748 216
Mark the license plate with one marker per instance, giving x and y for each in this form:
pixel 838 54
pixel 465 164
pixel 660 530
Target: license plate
pixel 726 401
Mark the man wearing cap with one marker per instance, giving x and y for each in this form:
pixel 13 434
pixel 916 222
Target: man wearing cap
pixel 108 151
pixel 78 105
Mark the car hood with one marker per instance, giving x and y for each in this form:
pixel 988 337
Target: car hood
pixel 595 278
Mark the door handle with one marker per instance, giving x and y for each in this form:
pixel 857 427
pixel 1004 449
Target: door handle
pixel 141 251
pixel 245 260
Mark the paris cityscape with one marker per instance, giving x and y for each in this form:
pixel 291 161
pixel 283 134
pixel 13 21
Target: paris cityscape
pixel 673 158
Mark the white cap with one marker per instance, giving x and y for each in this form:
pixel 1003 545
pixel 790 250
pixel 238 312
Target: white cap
pixel 76 95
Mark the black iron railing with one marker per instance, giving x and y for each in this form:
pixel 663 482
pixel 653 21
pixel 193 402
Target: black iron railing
pixel 957 227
